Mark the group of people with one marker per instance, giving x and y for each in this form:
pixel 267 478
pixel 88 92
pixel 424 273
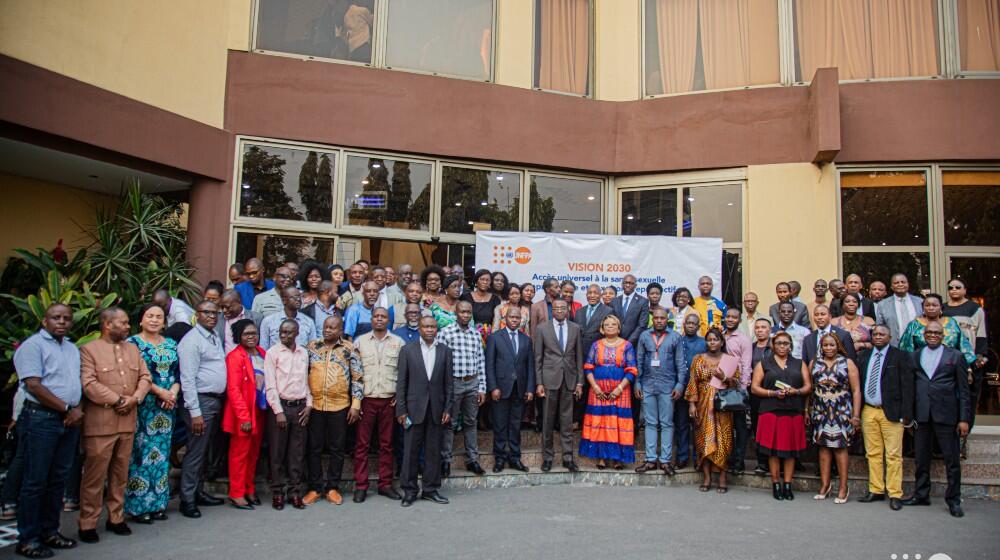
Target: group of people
pixel 317 356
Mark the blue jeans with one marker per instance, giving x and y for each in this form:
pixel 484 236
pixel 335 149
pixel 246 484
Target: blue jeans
pixel 682 431
pixel 49 448
pixel 658 412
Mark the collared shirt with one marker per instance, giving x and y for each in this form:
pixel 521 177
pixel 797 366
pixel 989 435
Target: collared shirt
pixel 379 364
pixel 358 320
pixel 747 323
pixel 878 355
pixel 561 332
pixel 467 352
pixel 798 334
pixel 56 363
pixel 693 345
pixel 429 353
pixel 820 333
pixel 227 333
pixel 248 292
pixel 349 296
pixel 407 333
pixel 334 375
pixel 286 376
pixel 202 363
pixel 666 350
pixel 270 328
pixel 740 347
pixel 268 303
pixel 512 335
pixel 180 312
pixel 383 299
pixel 930 358
pixel 320 314
pixel 904 310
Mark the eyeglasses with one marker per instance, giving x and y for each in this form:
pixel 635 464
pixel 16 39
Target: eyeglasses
pixel 954 287
pixel 782 343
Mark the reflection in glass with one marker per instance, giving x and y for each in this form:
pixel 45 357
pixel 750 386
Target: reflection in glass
pixel 714 211
pixel 562 205
pixel 881 266
pixel 476 199
pixel 338 29
pixel 981 276
pixel 382 192
pixel 275 250
pixel 732 277
pixel 650 212
pixel 884 208
pixel 562 45
pixel 971 207
pixel 286 184
pixel 453 37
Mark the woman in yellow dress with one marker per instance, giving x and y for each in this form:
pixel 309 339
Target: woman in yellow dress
pixel 713 430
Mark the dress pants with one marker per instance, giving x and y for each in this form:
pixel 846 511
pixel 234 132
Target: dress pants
pixel 49 448
pixel 287 449
pixel 427 434
pixel 883 436
pixel 947 438
pixel 376 416
pixel 507 427
pixel 193 466
pixel 682 433
pixel 244 450
pixel 466 410
pixel 975 389
pixel 558 402
pixel 105 461
pixel 327 433
pixel 659 417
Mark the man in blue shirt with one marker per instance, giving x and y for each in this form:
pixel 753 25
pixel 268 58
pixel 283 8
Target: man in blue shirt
pixel 693 345
pixel 291 300
pixel 411 330
pixel 661 381
pixel 48 367
pixel 358 317
pixel 254 284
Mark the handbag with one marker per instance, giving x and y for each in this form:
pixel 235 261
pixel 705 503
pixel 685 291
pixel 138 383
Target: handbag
pixel 732 400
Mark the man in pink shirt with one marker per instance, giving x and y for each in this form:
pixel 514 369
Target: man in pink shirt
pixel 286 382
pixel 738 345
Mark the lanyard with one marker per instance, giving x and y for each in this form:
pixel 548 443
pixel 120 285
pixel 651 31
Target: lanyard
pixel 658 342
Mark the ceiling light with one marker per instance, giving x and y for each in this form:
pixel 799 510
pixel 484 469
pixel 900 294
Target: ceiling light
pixel 470 222
pixel 660 221
pixel 458 204
pixel 357 195
pixel 500 177
pixel 376 166
pixel 883 243
pixel 591 197
pixel 567 231
pixel 245 185
pixel 364 181
pixel 630 217
pixel 483 203
pixel 729 204
pixel 690 199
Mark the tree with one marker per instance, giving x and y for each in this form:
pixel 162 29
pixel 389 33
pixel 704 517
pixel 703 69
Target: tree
pixel 263 191
pixel 369 207
pixel 399 195
pixel 464 192
pixel 541 211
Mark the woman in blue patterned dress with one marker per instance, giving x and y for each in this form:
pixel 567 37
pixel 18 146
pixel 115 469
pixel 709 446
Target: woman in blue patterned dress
pixel 834 412
pixel 148 488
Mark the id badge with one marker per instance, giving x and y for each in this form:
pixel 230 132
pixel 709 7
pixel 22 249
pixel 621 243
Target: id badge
pixel 655 362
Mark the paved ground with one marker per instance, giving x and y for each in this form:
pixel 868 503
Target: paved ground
pixel 579 522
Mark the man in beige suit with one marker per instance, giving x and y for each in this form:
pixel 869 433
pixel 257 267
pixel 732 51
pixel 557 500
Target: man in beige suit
pixel 115 380
pixel 558 365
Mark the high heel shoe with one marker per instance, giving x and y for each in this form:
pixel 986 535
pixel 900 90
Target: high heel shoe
pixel 838 500
pixel 823 495
pixel 786 491
pixel 776 490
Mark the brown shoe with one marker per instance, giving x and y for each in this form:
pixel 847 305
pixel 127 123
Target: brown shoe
pixel 647 466
pixel 311 498
pixel 334 497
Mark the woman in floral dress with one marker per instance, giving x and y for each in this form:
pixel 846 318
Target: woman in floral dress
pixel 713 429
pixel 148 488
pixel 834 412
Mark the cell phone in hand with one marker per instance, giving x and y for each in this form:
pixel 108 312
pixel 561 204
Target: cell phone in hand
pixel 407 423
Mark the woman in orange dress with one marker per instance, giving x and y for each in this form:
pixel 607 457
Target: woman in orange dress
pixel 608 432
pixel 713 430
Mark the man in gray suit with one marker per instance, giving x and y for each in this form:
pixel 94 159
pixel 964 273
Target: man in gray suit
pixel 559 365
pixel 897 310
pixel 784 292
pixel 632 309
pixel 589 317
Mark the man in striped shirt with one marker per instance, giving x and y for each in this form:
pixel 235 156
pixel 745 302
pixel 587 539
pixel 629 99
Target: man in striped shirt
pixel 469 383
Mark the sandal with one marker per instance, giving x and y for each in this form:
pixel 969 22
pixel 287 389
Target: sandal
pixel 722 489
pixel 704 488
pixel 34 550
pixel 619 466
pixel 601 465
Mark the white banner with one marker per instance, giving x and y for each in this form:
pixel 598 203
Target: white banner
pixel 674 262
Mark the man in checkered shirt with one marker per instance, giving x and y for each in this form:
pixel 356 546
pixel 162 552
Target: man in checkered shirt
pixel 470 386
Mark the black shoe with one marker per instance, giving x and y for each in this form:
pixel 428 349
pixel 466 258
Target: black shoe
pixel 546 465
pixel 571 466
pixel 203 499
pixel 408 500
pixel 518 465
pixel 297 502
pixel 144 519
pixel 237 505
pixel 278 501
pixel 682 464
pixel 58 541
pixel 434 497
pixel 34 550
pixel 359 496
pixel 158 516
pixel 390 493
pixel 445 470
pixel 89 536
pixel 956 510
pixel 871 497
pixel 914 501
pixel 759 470
pixel 190 510
pixel 776 491
pixel 895 504
pixel 475 468
pixel 786 491
pixel 120 529
pixel 253 499
pixel 498 466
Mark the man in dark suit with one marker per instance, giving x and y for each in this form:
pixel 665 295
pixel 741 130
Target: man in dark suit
pixel 559 366
pixel 783 291
pixel 423 398
pixel 632 309
pixel 810 344
pixel 942 410
pixel 887 387
pixel 589 317
pixel 510 381
pixel 542 311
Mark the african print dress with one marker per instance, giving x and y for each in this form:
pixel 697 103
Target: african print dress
pixel 442 315
pixel 912 338
pixel 713 434
pixel 608 432
pixel 148 487
pixel 832 406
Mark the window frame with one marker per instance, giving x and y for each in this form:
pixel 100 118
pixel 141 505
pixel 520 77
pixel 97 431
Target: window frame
pixel 591 47
pixel 460 238
pixel 526 210
pixel 369 231
pixel 235 229
pixel 952 48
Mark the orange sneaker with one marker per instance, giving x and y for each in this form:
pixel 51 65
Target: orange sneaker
pixel 311 498
pixel 334 497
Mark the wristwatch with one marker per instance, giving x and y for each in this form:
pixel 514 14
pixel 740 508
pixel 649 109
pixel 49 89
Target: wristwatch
pixel 68 408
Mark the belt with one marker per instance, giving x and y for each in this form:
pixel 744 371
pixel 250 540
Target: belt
pixel 466 378
pixel 35 406
pixel 296 402
pixel 213 395
pixel 873 406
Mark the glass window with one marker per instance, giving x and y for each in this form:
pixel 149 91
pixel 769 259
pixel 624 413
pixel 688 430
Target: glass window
pixel 287 184
pixel 971 207
pixel 479 200
pixel 562 45
pixel 275 250
pixel 453 37
pixel 979 35
pixel 884 208
pixel 649 212
pixel 383 192
pixel 714 211
pixel 866 38
pixel 881 266
pixel 732 277
pixel 711 44
pixel 340 30
pixel 563 205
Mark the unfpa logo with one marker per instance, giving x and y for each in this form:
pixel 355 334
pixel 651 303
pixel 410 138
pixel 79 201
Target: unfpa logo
pixel 507 254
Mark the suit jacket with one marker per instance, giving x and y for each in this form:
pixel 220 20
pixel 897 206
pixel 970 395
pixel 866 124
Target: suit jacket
pixel 415 394
pixel 539 313
pixel 109 371
pixel 896 385
pixel 241 393
pixel 867 308
pixel 590 332
pixel 801 314
pixel 220 325
pixel 810 350
pixel 635 319
pixel 885 314
pixel 506 371
pixel 557 368
pixel 945 397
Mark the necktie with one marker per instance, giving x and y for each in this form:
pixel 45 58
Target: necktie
pixel 871 391
pixel 559 336
pixel 513 340
pixel 590 313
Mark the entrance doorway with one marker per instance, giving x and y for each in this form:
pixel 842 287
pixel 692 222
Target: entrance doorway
pixel 391 252
pixel 980 274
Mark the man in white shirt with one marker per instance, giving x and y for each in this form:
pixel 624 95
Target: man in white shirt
pixel 786 323
pixel 177 310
